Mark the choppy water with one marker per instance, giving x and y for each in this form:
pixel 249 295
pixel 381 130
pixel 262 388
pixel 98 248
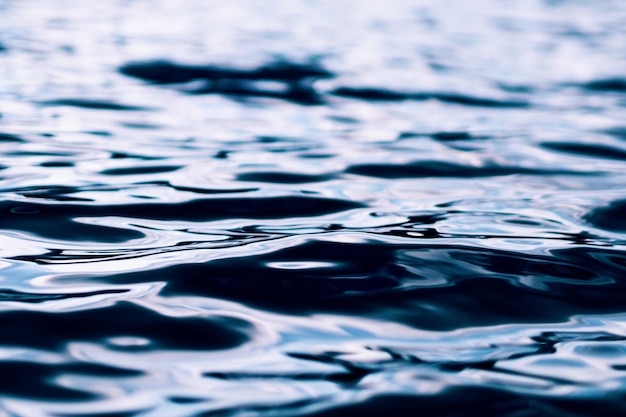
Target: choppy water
pixel 329 208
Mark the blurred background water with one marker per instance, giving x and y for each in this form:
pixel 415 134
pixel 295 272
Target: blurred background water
pixel 298 208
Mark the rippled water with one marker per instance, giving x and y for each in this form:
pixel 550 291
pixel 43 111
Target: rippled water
pixel 330 208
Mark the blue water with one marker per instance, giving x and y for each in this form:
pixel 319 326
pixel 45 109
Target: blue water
pixel 330 208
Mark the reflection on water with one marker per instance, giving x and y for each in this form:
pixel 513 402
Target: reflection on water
pixel 319 209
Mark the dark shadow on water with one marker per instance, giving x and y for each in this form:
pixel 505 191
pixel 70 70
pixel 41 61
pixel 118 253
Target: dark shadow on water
pixel 589 150
pixel 606 85
pixel 7 137
pixel 34 380
pixel 610 217
pixel 164 72
pixel 379 94
pixel 440 169
pixel 49 330
pixel 57 220
pixel 283 177
pixel 141 170
pixel 22 297
pixel 399 283
pixel 293 81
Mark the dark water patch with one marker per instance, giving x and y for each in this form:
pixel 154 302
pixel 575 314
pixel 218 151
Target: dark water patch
pixel 194 210
pixel 426 169
pixel 186 400
pixel 379 94
pixel 36 153
pixel 467 401
pixel 100 370
pixel 35 380
pixel 51 197
pixel 112 414
pixel 292 82
pixel 291 407
pixel 429 287
pixel 7 137
pixel 295 93
pixel 222 154
pixel 126 155
pixel 56 164
pixel 92 104
pixel 372 94
pixel 589 150
pixel 344 378
pixel 135 413
pixel 274 139
pixel 611 405
pixel 283 177
pixel 446 136
pixel 606 85
pixel 610 217
pixel 196 190
pixel 99 133
pixel 23 297
pixel 49 330
pixel 163 72
pixel 57 220
pixel 141 170
pixel 443 136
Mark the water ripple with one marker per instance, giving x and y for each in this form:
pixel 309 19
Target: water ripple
pixel 294 209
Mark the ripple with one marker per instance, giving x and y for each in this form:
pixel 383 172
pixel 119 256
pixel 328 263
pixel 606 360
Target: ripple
pixel 312 208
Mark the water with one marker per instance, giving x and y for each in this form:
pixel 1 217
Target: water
pixel 328 208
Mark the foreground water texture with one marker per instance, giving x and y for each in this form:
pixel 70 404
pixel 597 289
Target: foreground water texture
pixel 330 208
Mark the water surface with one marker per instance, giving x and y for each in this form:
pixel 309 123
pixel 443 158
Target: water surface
pixel 321 209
